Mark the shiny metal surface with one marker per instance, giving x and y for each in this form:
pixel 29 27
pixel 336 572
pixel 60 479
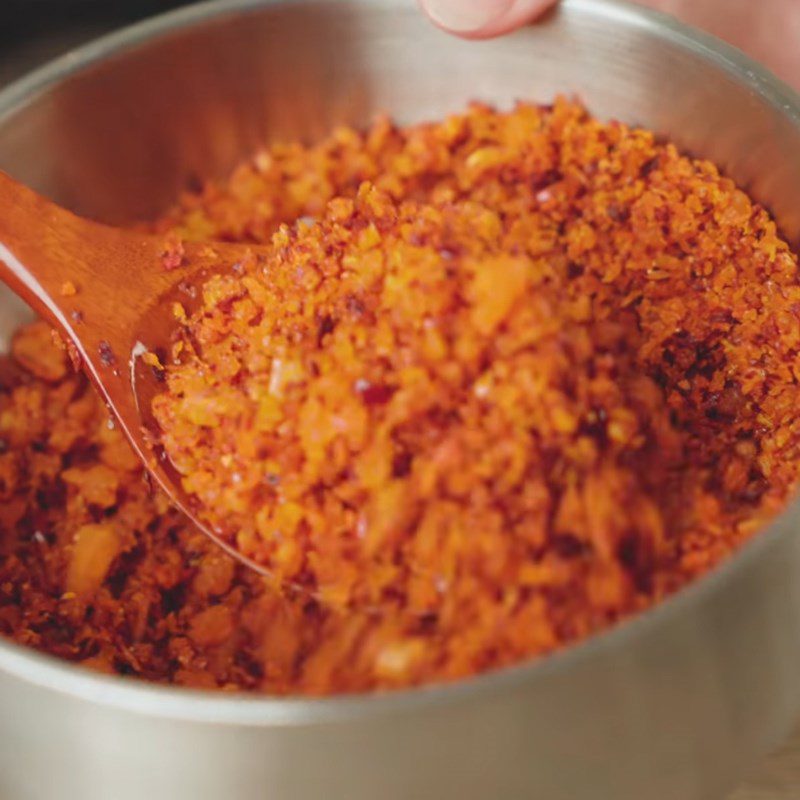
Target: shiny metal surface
pixel 673 705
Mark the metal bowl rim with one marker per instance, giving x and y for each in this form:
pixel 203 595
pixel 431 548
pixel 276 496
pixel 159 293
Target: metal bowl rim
pixel 176 703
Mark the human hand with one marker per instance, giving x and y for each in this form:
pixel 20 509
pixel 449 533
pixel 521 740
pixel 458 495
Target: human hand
pixel 768 30
pixel 481 19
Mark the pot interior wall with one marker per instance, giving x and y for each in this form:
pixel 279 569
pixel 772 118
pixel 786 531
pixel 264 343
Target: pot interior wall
pixel 118 141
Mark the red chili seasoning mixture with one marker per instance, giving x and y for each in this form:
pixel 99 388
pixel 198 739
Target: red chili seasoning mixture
pixel 535 376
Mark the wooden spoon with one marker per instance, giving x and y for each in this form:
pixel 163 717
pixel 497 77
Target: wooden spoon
pixel 112 295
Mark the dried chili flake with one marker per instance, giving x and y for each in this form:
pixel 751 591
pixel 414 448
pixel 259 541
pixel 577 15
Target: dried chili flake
pixel 74 356
pixel 553 457
pixel 172 256
pixel 106 353
pixel 373 394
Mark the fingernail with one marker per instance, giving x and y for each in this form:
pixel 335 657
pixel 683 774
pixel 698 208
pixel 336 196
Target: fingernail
pixel 465 16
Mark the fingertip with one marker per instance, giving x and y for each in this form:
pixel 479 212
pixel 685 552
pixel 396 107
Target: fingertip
pixel 464 17
pixel 478 19
pixel 521 13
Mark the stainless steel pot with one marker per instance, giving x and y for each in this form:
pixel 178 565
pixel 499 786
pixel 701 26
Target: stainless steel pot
pixel 670 706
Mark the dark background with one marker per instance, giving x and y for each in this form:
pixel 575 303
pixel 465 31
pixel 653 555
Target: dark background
pixel 33 31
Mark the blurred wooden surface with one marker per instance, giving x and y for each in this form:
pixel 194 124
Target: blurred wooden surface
pixel 777 777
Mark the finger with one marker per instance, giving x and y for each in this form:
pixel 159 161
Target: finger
pixel 483 18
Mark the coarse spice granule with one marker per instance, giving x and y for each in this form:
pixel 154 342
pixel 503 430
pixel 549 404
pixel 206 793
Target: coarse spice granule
pixel 504 380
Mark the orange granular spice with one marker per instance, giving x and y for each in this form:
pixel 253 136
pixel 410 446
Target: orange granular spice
pixel 435 401
pixel 538 377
